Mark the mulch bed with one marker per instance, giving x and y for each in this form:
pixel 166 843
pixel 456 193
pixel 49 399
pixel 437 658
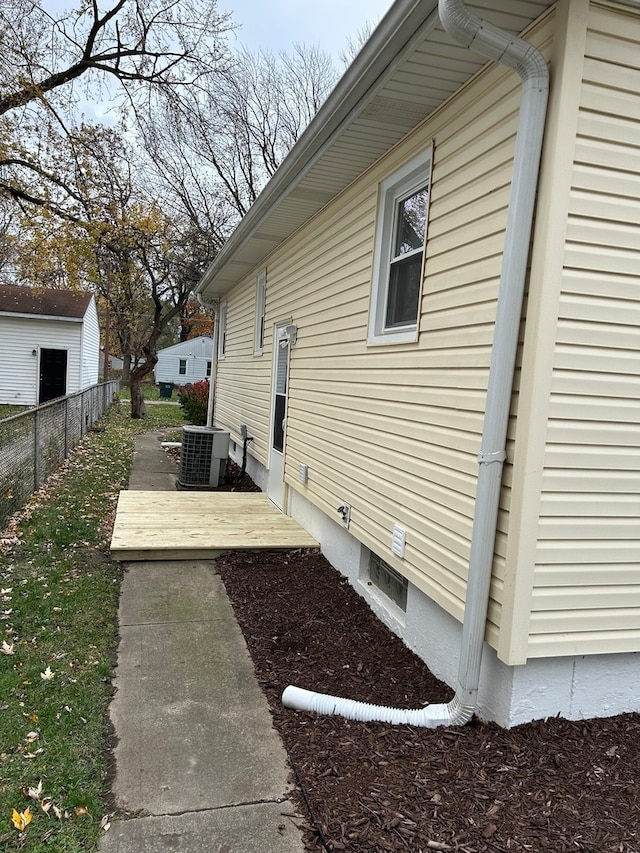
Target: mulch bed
pixel 550 786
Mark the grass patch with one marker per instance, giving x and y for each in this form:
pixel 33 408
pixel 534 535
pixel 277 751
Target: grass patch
pixel 150 391
pixel 58 633
pixel 8 409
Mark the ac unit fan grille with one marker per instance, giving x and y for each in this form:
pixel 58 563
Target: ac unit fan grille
pixel 203 457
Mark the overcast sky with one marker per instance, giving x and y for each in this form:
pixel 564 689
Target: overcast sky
pixel 278 24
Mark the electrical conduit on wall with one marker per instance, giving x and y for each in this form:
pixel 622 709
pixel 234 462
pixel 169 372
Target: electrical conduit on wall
pixel 494 43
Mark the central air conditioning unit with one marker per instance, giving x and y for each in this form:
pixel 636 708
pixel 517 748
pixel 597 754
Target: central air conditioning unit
pixel 203 458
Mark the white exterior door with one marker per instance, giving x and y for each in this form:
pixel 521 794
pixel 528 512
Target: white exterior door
pixel 275 488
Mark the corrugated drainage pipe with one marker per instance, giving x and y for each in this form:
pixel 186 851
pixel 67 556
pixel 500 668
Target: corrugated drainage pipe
pixel 428 717
pixel 524 58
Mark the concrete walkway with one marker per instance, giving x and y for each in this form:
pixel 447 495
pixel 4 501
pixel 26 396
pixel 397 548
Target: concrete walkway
pixel 197 757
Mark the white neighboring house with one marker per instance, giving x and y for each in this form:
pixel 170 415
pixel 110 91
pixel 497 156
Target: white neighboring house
pixel 49 344
pixel 185 362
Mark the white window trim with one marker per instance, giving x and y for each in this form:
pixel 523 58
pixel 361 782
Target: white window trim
pixel 259 327
pixel 222 330
pixel 186 366
pixel 413 175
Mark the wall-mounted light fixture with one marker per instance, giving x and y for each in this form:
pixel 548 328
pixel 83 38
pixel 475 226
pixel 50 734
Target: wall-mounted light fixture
pixel 289 336
pixel 34 352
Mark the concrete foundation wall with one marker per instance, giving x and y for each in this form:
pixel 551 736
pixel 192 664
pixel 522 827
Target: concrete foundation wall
pixel 575 688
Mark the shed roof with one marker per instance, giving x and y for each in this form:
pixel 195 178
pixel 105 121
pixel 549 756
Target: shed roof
pixel 16 299
pixel 407 69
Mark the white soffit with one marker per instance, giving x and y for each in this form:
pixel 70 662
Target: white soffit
pixel 407 69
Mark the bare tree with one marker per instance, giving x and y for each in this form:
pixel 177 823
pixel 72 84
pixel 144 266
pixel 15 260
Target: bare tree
pixel 140 45
pixel 222 144
pixel 355 43
pixel 157 42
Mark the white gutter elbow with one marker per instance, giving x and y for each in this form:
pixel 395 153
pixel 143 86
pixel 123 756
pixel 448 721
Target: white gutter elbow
pixel 485 38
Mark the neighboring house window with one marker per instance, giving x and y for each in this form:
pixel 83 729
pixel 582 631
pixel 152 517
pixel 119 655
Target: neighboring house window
pixel 222 331
pixel 261 284
pixel 182 367
pixel 208 369
pixel 399 253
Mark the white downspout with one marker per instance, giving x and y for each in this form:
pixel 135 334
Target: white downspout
pixel 214 305
pixel 510 50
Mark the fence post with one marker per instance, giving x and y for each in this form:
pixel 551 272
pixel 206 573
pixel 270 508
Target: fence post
pixel 66 427
pixel 36 465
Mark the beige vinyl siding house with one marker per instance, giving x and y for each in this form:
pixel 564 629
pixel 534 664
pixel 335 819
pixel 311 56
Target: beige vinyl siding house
pixel 393 427
pixel 577 587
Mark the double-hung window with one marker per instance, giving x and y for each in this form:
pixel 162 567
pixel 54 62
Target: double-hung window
pixel 182 367
pixel 399 253
pixel 222 330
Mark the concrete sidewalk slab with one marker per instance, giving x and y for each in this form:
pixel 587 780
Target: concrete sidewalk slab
pixel 196 751
pixel 265 828
pixel 152 468
pixel 190 717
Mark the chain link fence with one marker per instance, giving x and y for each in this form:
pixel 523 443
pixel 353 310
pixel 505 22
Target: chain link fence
pixel 35 442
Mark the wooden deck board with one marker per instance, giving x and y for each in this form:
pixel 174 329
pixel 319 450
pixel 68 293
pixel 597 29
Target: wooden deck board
pixel 200 525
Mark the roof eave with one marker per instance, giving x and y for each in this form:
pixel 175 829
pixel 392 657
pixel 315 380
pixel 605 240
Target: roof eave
pixel 395 31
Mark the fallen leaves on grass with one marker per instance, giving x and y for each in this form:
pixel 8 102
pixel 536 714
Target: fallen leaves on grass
pixel 45 803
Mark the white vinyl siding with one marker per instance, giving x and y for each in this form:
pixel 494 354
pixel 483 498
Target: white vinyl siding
pixel 19 368
pixel 585 586
pixel 186 361
pixel 90 347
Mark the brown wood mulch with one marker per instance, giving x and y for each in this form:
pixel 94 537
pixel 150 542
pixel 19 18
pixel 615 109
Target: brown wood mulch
pixel 550 786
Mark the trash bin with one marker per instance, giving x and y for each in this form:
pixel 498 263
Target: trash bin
pixel 166 390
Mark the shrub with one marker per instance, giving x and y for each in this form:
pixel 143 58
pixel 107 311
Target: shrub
pixel 194 400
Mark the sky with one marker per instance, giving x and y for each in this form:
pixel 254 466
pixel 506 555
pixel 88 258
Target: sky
pixel 278 24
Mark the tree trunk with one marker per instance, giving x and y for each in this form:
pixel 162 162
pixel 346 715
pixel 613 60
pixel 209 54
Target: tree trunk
pixel 138 408
pixel 126 369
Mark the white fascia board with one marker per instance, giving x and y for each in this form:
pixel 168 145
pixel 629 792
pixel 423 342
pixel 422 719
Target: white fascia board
pixel 55 317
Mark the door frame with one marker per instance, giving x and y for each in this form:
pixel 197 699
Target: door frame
pixel 276 487
pixel 44 360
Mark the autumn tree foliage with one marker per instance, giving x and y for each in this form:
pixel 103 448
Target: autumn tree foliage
pixel 196 320
pixel 142 263
pixel 84 205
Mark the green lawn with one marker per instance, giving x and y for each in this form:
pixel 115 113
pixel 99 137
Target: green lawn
pixel 7 409
pixel 58 633
pixel 149 390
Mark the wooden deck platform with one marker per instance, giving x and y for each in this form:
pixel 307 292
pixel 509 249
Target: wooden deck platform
pixel 200 525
